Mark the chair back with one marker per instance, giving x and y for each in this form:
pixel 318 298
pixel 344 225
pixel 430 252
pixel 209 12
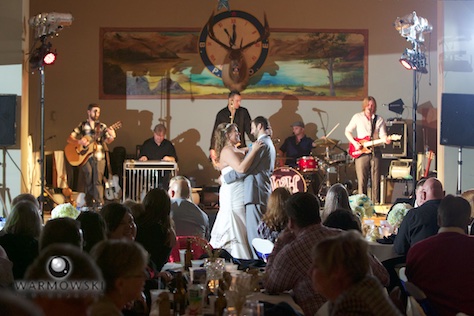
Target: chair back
pixel 263 248
pixel 198 246
pixel 418 302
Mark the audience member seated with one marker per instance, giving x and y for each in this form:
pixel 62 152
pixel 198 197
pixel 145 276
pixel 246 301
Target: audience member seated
pixel 121 225
pixel 188 218
pixel 341 272
pixel 119 221
pixel 136 208
pixel 337 197
pixel 418 199
pixel 343 219
pixel 20 241
pixel 25 197
pixel 420 222
pixel 56 302
pixel 93 229
pixel 275 219
pixel 6 270
pixel 469 196
pixel 123 264
pixel 441 265
pixel 155 230
pixel 288 266
pixel 14 304
pixel 64 230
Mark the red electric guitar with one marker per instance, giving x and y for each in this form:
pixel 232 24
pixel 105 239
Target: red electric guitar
pixel 366 143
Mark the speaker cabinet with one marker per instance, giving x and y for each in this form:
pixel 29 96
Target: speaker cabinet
pixel 397 148
pixel 457 111
pixel 7 119
pixel 397 189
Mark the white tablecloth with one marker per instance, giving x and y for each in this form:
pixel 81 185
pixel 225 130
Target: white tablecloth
pixel 382 251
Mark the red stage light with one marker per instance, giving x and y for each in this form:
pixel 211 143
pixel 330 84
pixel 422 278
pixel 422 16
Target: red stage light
pixel 49 58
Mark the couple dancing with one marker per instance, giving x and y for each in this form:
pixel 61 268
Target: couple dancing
pixel 245 187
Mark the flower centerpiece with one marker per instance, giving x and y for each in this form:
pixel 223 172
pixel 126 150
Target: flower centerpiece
pixel 65 210
pixel 361 205
pixel 397 213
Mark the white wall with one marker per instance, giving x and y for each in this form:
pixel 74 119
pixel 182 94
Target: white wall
pixel 10 83
pixel 458 36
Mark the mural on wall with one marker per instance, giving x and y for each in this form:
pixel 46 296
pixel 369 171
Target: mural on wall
pixel 160 63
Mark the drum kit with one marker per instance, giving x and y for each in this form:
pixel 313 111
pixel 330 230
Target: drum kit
pixel 312 172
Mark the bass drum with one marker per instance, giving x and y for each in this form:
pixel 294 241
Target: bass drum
pixel 290 178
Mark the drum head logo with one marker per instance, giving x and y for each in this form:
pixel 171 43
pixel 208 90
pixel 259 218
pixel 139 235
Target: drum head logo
pixel 59 267
pixel 290 178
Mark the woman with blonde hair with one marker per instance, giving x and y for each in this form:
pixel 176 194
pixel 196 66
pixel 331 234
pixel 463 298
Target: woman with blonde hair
pixel 341 272
pixel 20 236
pixel 230 229
pixel 275 219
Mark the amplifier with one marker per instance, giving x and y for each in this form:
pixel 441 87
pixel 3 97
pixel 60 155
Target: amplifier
pixel 396 148
pixel 400 169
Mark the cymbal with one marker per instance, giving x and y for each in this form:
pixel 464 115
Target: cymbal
pixel 326 142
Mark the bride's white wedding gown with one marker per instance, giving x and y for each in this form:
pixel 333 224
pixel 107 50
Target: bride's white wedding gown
pixel 230 221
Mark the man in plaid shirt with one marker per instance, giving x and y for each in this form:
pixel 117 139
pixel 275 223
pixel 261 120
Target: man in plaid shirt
pixel 93 133
pixel 289 264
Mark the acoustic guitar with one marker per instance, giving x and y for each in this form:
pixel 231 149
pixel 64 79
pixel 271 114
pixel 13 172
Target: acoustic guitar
pixel 366 143
pixel 77 155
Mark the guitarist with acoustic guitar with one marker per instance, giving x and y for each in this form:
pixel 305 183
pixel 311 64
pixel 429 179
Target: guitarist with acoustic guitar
pixel 88 139
pixel 367 126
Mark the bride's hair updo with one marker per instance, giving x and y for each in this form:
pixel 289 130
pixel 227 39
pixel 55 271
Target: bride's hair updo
pixel 220 136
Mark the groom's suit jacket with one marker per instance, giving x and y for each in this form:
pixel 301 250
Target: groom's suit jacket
pixel 257 179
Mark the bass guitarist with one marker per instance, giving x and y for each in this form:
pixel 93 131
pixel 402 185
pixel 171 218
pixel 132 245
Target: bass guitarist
pixel 367 125
pixel 93 133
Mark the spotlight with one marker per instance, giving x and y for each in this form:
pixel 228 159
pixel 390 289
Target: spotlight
pixel 42 56
pixel 49 58
pixel 412 60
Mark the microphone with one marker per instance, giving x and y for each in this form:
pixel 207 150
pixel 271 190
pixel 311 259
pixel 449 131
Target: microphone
pixel 318 110
pixel 50 137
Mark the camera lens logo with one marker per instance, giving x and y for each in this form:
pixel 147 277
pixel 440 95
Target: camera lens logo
pixel 59 267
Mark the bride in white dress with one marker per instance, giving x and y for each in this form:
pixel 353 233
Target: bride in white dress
pixel 229 230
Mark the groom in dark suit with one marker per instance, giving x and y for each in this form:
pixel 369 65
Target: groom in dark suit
pixel 257 179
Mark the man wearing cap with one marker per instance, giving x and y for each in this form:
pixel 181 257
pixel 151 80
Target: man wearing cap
pixel 296 146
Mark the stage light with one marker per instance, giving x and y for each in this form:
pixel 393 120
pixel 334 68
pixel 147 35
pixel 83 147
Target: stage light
pixel 412 60
pixel 47 24
pixel 49 58
pixel 42 56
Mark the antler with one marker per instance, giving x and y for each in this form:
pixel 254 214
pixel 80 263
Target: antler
pixel 210 31
pixel 263 37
